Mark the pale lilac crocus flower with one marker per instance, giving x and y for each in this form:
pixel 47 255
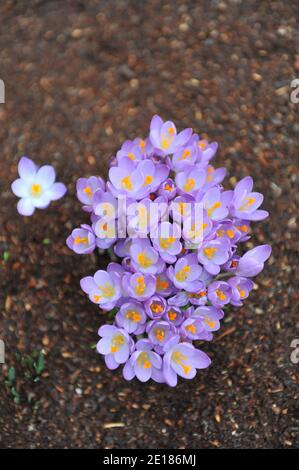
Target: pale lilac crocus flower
pixel 116 345
pixel 86 189
pixel 182 359
pixel 241 287
pixel 36 187
pixel 163 135
pixel 245 203
pixel 82 240
pixel 131 317
pixel 252 263
pixel 144 363
pixel 104 288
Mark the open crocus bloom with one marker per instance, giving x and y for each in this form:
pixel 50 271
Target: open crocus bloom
pixel 182 359
pixel 115 344
pixel 103 288
pixel 36 187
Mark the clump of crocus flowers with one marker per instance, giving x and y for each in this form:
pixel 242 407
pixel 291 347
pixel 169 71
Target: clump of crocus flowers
pixel 176 233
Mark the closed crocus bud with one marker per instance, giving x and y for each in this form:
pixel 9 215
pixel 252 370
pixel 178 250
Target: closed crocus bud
pixel 252 263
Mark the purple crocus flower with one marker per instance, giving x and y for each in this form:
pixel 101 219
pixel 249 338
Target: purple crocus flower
pixel 131 317
pixel 116 345
pixel 206 151
pixel 213 254
pixel 210 317
pixel 145 258
pixel 86 188
pixel 215 202
pixel 193 329
pixel 241 286
pixel 245 203
pixel 144 363
pixel 166 240
pixel 182 359
pixel 103 288
pixel 163 135
pixel 185 273
pixel 130 150
pixel 185 157
pixel 139 286
pixel 190 180
pixel 174 315
pixel 155 307
pixel 167 189
pixel 82 240
pixel 252 263
pixel 219 293
pixel 152 176
pixel 180 299
pixel 159 333
pixel 214 176
pixel 164 286
pixel 36 187
pixel 125 179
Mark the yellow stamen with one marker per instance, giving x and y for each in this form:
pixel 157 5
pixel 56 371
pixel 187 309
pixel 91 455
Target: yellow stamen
pixel 213 207
pixel 191 328
pixel 148 180
pixel 182 274
pixel 144 260
pixel 79 240
pixel 140 287
pixel 88 191
pixel 97 298
pixel 107 290
pixel 126 183
pixel 166 242
pixel 133 315
pixel 161 284
pixel 131 156
pixel 143 360
pixel 209 322
pixel 202 145
pixel 209 252
pixel 249 201
pixel 142 144
pixel 220 294
pixel 242 228
pixel 156 308
pixel 189 185
pixel 172 315
pixel 242 293
pixel 210 174
pixel 116 343
pixel 179 358
pixel 36 189
pixel 160 334
pixel 230 233
pixel 185 154
pixel 167 139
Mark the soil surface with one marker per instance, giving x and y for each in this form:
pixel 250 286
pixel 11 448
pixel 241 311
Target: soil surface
pixel 81 76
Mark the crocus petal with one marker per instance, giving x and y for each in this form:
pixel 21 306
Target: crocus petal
pixel 45 176
pixel 27 169
pixel 56 191
pixel 20 187
pixel 128 371
pixel 25 207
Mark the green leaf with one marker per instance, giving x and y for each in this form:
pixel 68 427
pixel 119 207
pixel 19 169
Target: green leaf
pixel 40 365
pixel 47 241
pixel 6 255
pixel 11 374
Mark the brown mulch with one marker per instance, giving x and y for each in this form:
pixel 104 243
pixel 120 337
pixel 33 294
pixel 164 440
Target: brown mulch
pixel 81 76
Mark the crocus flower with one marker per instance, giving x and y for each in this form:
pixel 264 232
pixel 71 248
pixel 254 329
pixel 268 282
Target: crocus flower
pixel 185 273
pixel 159 333
pixel 144 363
pixel 144 257
pixel 190 181
pixel 82 240
pixel 131 317
pixel 130 150
pixel 36 187
pixel 252 263
pixel 116 345
pixel 245 203
pixel 167 189
pixel 103 288
pixel 215 202
pixel 164 286
pixel 86 188
pixel 193 329
pixel 166 240
pixel 139 286
pixel 174 315
pixel 155 307
pixel 163 135
pixel 185 157
pixel 219 293
pixel 210 317
pixel 213 254
pixel 182 359
pixel 240 289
